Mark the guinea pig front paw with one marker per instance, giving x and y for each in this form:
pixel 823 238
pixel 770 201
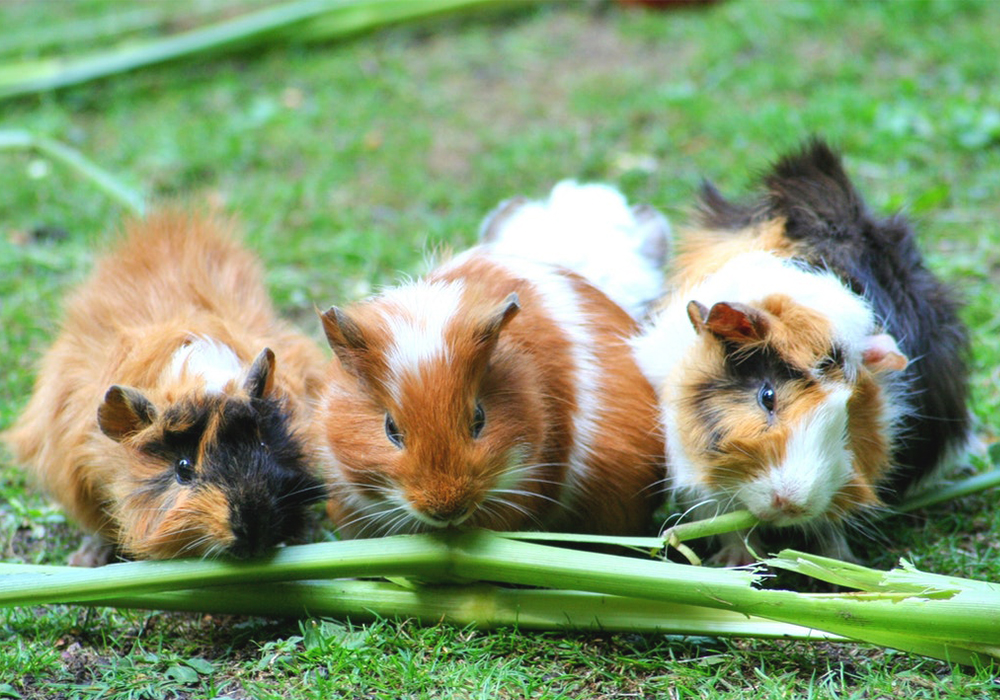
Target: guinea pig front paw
pixel 737 549
pixel 93 551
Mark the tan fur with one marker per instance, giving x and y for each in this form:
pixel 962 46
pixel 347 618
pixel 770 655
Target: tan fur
pixel 521 376
pixel 172 277
pixel 701 252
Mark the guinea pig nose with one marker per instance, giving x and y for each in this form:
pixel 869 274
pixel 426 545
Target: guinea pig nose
pixel 252 533
pixel 786 508
pixel 451 514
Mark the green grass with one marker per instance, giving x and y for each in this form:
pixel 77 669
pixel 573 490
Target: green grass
pixel 349 162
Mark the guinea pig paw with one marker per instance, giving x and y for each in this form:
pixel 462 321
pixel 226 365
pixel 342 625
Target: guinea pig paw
pixel 737 550
pixel 93 551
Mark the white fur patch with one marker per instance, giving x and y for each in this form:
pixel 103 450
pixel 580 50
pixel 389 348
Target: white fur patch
pixel 214 362
pixel 418 314
pixel 562 304
pixel 817 464
pixel 591 230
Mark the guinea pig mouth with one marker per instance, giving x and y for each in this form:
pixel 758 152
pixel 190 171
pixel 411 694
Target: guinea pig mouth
pixel 440 519
pixel 774 505
pixel 782 513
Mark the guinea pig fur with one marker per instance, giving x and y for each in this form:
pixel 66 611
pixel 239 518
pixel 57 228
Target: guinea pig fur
pixel 809 366
pixel 496 392
pixel 590 229
pixel 160 418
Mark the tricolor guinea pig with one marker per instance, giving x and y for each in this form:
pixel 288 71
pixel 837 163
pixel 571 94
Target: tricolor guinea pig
pixel 166 417
pixel 496 392
pixel 809 366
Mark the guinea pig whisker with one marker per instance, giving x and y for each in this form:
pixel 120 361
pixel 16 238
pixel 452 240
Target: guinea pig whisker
pixel 376 520
pixel 504 502
pixel 522 492
pixel 661 484
pixel 308 490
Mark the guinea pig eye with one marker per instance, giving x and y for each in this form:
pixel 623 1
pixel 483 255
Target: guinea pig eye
pixel 766 397
pixel 393 432
pixel 184 471
pixel 478 420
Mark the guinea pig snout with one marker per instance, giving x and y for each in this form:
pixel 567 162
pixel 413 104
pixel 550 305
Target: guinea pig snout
pixel 775 503
pixel 256 527
pixel 815 465
pixel 448 506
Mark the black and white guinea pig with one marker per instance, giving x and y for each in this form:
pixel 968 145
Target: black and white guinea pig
pixel 809 366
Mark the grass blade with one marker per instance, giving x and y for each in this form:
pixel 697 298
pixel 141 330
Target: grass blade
pixel 25 140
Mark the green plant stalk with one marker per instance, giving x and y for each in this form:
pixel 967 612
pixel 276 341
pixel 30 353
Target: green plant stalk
pixel 340 18
pixel 480 605
pixel 957 626
pixel 109 27
pixel 966 487
pixel 404 555
pixel 673 537
pixel 25 140
pixel 948 624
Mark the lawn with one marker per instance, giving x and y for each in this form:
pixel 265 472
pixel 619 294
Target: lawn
pixel 350 162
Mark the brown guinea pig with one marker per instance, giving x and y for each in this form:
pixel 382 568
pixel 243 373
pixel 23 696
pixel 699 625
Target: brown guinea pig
pixel 496 392
pixel 809 366
pixel 160 419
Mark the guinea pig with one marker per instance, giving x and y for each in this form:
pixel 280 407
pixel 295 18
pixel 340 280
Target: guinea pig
pixel 496 392
pixel 809 366
pixel 160 419
pixel 592 230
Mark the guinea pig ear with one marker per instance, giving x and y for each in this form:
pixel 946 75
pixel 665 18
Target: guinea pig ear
pixel 730 321
pixel 493 224
pixel 698 313
pixel 345 337
pixel 498 319
pixel 881 354
pixel 260 377
pixel 124 412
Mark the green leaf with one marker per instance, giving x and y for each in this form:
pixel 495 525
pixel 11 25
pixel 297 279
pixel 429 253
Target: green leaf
pixel 202 666
pixel 182 674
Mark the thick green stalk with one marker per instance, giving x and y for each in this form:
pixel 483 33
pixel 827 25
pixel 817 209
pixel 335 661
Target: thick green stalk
pixel 903 617
pixel 944 617
pixel 960 489
pixel 481 605
pixel 405 555
pixel 339 18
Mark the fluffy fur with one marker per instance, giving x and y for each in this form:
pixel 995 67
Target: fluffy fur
pixel 808 364
pixel 159 417
pixel 497 392
pixel 591 230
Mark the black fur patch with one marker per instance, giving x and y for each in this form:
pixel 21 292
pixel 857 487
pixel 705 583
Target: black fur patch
pixel 245 449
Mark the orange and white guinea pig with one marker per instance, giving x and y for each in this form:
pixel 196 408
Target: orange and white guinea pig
pixel 808 364
pixel 496 392
pixel 166 417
